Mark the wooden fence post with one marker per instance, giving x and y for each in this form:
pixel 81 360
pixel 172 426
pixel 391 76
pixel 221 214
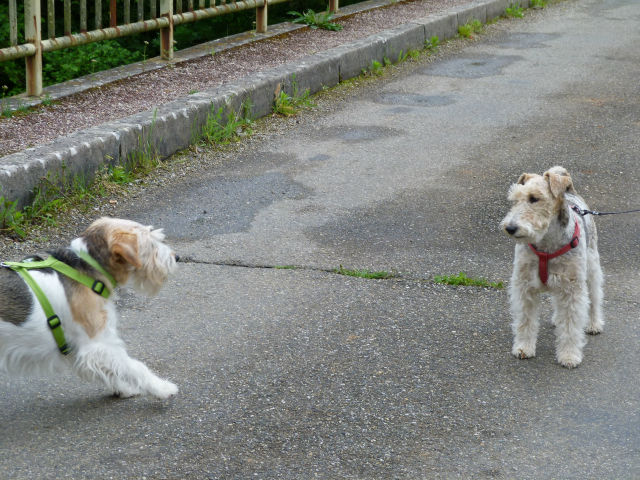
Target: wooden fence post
pixel 334 5
pixel 13 22
pixel 113 14
pixel 33 34
pixel 261 18
pixel 166 34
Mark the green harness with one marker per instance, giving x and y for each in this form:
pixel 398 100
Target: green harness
pixel 97 286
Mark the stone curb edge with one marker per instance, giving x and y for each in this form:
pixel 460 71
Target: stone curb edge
pixel 172 126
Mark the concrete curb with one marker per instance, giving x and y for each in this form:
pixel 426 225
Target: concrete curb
pixel 173 126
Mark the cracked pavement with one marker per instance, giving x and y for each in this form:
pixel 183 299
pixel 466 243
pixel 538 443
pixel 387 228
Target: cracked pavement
pixel 302 373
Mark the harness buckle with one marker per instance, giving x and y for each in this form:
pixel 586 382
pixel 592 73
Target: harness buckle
pixel 98 287
pixel 53 321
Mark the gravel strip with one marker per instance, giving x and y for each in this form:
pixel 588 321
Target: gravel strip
pixel 149 90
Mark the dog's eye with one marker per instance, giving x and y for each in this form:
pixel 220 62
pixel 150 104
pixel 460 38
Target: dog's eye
pixel 533 199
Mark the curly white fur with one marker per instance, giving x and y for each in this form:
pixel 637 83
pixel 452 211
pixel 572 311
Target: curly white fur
pixel 541 214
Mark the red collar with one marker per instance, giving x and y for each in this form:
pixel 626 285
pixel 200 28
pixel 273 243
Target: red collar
pixel 544 257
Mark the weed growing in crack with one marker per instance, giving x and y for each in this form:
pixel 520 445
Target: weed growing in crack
pixel 432 44
pixel 413 54
pixel 376 68
pixel 232 129
pixel 538 4
pixel 12 220
pixel 364 273
pixel 462 280
pixel 514 11
pixel 467 30
pixel 287 105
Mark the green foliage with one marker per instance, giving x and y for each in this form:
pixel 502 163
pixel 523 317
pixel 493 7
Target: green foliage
pixel 56 193
pixel 514 11
pixel 11 219
pixel 224 131
pixel 53 194
pixel 538 4
pixel 432 44
pixel 381 275
pixel 120 175
pixel 316 20
pixel 68 63
pixel 413 54
pixel 58 66
pixel 376 68
pixel 5 111
pixel 288 105
pixel 462 280
pixel 471 27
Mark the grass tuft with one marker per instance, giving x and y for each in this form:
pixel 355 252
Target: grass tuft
pixel 216 131
pixel 288 105
pixel 538 4
pixel 470 28
pixel 381 275
pixel 462 280
pixel 432 44
pixel 514 11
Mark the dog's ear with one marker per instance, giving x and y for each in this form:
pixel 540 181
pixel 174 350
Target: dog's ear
pixel 124 248
pixel 523 178
pixel 559 181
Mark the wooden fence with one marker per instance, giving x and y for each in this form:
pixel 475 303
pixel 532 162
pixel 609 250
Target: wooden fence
pixel 164 19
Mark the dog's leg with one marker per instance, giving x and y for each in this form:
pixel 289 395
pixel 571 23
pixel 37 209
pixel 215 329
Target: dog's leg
pixel 525 326
pixel 571 310
pixel 594 282
pixel 124 375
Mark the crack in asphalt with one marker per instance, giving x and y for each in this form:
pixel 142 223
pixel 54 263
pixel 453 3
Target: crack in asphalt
pixel 393 275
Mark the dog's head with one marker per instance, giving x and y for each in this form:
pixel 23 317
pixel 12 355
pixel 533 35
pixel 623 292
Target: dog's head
pixel 133 253
pixel 536 201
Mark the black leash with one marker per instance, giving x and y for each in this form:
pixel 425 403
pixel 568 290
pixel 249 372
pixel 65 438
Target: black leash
pixel 584 211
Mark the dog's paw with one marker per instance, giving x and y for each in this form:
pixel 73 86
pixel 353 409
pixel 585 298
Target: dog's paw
pixel 523 351
pixel 594 328
pixel 163 389
pixel 125 393
pixel 570 359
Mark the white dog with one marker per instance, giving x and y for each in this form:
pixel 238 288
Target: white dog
pixel 79 328
pixel 556 251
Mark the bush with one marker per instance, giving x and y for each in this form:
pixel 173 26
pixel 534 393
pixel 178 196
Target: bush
pixel 63 65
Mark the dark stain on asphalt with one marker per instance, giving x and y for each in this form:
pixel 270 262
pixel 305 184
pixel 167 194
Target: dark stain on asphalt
pixel 476 66
pixel 414 99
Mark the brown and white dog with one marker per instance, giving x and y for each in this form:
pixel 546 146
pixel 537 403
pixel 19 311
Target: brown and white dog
pixel 132 254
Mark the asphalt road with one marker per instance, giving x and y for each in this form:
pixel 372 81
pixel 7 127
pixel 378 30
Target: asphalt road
pixel 301 373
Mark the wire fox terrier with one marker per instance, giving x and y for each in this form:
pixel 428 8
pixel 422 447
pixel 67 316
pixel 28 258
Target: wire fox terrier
pixel 63 316
pixel 556 251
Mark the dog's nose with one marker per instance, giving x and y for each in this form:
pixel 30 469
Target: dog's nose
pixel 510 229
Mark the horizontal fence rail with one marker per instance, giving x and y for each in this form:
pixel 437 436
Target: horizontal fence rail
pixel 150 15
